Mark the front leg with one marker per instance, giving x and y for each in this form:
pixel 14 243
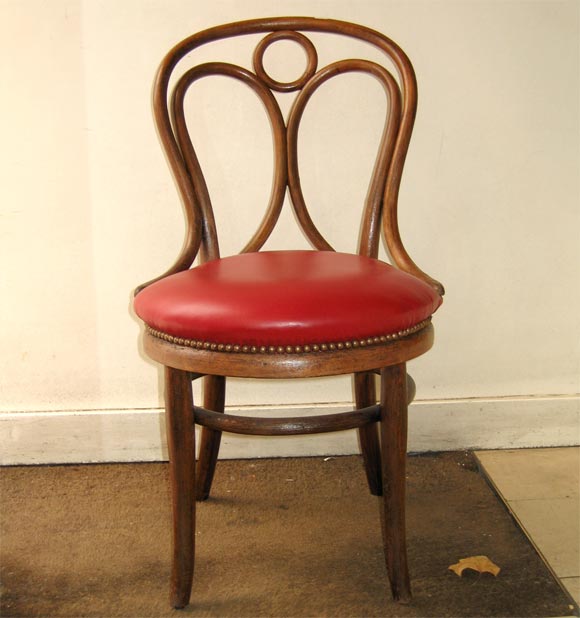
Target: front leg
pixel 393 429
pixel 180 424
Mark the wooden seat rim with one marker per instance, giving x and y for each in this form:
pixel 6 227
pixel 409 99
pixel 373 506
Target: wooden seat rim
pixel 289 365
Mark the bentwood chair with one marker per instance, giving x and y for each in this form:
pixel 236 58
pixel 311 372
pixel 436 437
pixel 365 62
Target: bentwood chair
pixel 287 314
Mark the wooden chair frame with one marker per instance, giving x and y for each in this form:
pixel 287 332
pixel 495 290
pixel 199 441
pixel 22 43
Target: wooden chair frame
pixel 184 360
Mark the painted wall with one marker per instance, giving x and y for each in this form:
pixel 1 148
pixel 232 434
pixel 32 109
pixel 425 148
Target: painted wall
pixel 489 203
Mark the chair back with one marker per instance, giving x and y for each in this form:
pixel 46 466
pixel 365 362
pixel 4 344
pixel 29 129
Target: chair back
pixel 380 208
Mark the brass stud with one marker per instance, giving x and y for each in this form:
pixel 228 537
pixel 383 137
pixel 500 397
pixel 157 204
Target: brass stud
pixel 207 345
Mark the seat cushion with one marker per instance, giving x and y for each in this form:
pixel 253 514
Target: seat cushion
pixel 286 298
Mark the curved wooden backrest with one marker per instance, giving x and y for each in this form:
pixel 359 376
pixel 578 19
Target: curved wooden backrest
pixel 381 203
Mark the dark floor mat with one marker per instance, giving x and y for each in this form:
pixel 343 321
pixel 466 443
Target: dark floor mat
pixel 279 537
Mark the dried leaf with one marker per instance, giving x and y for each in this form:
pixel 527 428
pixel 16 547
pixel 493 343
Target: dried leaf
pixel 481 564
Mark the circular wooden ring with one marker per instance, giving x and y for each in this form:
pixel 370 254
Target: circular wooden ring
pixel 311 60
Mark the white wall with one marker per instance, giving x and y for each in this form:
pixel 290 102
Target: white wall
pixel 489 203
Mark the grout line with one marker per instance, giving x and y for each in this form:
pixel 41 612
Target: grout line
pixel 543 498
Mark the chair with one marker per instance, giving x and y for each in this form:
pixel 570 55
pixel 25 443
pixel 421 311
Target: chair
pixel 287 314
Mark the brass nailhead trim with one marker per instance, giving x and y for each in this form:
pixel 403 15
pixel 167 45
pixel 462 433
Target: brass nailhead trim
pixel 289 349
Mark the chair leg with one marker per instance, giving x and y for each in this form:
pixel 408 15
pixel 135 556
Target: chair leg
pixel 393 429
pixel 181 443
pixel 366 395
pixel 214 399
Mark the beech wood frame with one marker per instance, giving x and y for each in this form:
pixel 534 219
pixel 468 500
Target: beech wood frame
pixel 382 427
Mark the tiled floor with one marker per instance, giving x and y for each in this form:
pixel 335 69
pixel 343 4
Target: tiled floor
pixel 542 489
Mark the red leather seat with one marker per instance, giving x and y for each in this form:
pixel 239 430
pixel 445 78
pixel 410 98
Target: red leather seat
pixel 287 298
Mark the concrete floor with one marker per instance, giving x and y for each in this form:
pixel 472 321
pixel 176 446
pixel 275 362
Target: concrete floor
pixel 541 487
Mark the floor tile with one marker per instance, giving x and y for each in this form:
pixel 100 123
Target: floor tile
pixel 554 527
pixel 534 473
pixel 572 584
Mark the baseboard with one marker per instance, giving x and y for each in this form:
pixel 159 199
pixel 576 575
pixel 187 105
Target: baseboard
pixel 139 435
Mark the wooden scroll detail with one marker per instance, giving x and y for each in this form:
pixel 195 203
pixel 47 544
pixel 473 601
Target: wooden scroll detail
pixel 311 60
pixel 210 246
pixel 369 243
